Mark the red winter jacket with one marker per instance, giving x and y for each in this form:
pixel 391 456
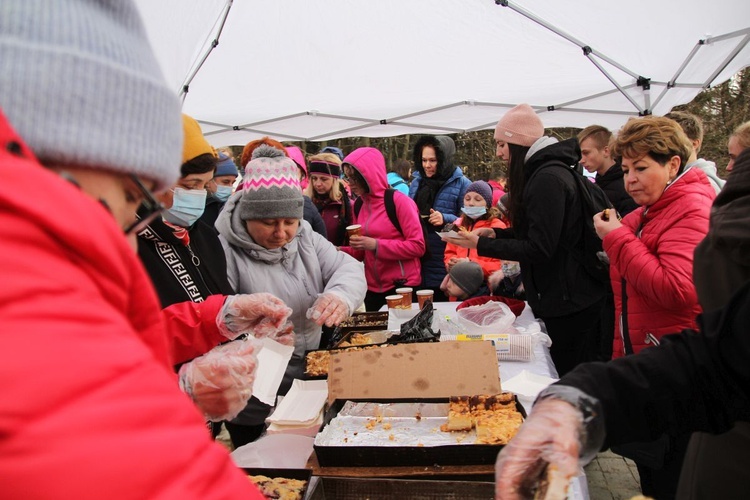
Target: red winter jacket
pixel 91 406
pixel 397 256
pixel 658 266
pixel 489 264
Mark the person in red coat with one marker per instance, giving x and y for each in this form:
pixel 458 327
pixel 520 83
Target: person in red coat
pixel 651 260
pixel 651 250
pixel 92 406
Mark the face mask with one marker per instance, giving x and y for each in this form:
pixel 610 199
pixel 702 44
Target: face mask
pixel 187 207
pixel 474 212
pixel 223 193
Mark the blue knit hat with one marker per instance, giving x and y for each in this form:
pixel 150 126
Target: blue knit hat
pixel 80 84
pixel 226 166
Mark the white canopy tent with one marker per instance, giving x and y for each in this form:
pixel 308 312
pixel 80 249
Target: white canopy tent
pixel 324 69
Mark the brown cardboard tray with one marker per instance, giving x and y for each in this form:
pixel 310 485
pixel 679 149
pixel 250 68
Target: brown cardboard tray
pixel 388 456
pixel 303 474
pixel 335 488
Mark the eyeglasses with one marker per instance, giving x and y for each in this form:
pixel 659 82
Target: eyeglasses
pixel 150 209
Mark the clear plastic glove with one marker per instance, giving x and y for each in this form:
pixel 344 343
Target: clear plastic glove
pixel 558 433
pixel 330 309
pixel 283 335
pixel 260 314
pixel 221 381
pixel 495 278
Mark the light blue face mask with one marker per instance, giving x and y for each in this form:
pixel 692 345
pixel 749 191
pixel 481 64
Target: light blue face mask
pixel 223 193
pixel 474 212
pixel 187 207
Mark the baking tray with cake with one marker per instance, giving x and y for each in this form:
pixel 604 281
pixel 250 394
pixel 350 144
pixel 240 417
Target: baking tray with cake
pixel 461 430
pixel 291 484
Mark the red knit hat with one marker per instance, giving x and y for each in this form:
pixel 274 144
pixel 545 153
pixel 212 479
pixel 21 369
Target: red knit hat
pixel 520 125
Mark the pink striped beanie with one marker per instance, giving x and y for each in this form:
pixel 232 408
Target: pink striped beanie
pixel 270 187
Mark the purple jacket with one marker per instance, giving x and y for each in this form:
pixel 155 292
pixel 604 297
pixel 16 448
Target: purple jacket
pixel 396 257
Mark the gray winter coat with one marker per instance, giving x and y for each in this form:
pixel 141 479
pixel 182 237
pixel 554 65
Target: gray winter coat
pixel 297 273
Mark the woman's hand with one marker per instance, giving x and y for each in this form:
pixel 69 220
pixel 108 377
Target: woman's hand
pixel 604 227
pixel 436 218
pixel 363 243
pixel 468 239
pixel 328 309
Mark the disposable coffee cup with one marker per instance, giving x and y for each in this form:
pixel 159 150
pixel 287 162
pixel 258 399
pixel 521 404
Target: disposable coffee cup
pixel 423 296
pixel 354 229
pixel 406 297
pixel 394 301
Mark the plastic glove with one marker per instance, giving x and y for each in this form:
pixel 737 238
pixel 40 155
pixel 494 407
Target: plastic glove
pixel 330 309
pixel 221 381
pixel 283 335
pixel 259 314
pixel 557 432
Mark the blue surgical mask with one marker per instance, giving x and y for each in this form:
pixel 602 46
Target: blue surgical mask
pixel 474 212
pixel 187 207
pixel 223 193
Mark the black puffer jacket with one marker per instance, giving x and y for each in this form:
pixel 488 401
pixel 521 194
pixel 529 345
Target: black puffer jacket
pixel 614 187
pixel 556 283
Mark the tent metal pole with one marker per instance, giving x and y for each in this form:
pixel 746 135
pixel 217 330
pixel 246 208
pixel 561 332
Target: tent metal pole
pixel 189 79
pixel 726 36
pixel 727 60
pixel 429 110
pixel 617 85
pixel 567 36
pixel 450 130
pixel 343 131
pixel 257 131
pixel 593 96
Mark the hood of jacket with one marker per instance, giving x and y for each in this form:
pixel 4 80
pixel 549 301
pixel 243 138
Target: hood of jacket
pixel 233 229
pixel 547 149
pixel 370 164
pixel 709 168
pixel 445 150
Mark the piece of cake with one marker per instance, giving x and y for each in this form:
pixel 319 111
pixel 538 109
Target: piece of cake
pixel 459 415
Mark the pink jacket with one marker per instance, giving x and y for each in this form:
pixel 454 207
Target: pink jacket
pixel 91 407
pixel 397 256
pixel 658 266
pixel 489 265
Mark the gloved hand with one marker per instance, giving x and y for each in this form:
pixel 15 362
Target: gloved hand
pixel 330 309
pixel 551 435
pixel 259 314
pixel 283 335
pixel 495 278
pixel 221 381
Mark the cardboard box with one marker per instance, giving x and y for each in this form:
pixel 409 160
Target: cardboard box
pixel 330 488
pixel 422 370
pixel 427 372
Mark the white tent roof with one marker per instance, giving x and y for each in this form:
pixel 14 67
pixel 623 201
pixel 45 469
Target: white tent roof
pixel 324 69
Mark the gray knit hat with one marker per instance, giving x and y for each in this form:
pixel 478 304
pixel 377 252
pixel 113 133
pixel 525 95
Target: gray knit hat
pixel 468 276
pixel 80 84
pixel 270 187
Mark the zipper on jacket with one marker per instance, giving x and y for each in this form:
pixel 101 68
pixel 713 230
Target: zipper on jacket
pixel 197 262
pixel 651 339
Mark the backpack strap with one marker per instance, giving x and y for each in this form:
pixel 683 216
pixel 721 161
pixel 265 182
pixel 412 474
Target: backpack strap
pixel 390 208
pixel 397 183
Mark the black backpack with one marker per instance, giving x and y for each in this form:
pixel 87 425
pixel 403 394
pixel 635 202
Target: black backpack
pixel 390 210
pixel 593 201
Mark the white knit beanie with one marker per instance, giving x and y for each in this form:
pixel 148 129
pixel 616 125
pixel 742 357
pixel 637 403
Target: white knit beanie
pixel 80 84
